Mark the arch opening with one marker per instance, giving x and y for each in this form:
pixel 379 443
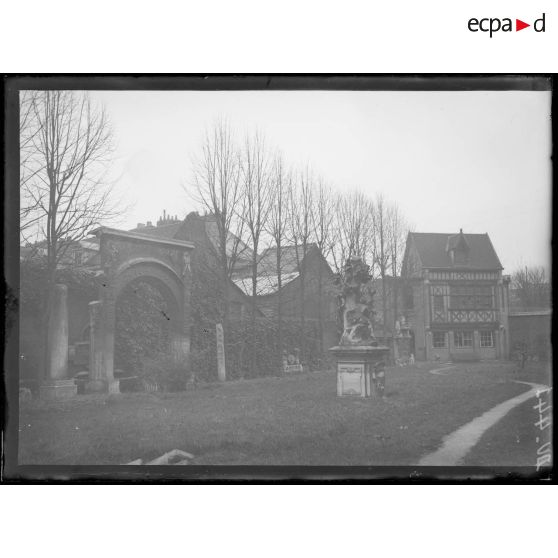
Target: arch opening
pixel 146 321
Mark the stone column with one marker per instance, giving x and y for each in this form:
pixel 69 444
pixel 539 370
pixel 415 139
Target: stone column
pixel 97 381
pixel 101 339
pixel 476 343
pixel 57 385
pixel 221 369
pixel 187 316
pixel 108 326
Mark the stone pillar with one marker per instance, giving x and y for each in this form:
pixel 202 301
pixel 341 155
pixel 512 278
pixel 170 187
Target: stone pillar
pixel 497 333
pixel 101 356
pixel 108 326
pixel 476 343
pixel 221 371
pixel 97 382
pixel 187 315
pixel 57 385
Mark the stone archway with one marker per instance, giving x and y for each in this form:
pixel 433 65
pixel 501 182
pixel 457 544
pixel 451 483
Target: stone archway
pixel 126 257
pixel 147 320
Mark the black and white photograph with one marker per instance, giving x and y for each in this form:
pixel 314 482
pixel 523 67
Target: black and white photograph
pixel 261 278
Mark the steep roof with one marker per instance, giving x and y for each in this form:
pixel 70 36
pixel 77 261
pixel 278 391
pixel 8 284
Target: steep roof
pixel 234 244
pixel 289 259
pixel 432 249
pixel 267 280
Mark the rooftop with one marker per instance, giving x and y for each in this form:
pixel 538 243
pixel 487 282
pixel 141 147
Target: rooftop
pixel 432 249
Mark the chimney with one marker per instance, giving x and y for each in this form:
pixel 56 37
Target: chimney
pixel 149 224
pixel 141 226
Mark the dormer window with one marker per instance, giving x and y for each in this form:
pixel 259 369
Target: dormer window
pixel 459 257
pixel 458 249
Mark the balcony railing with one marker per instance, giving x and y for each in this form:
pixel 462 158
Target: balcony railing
pixel 465 316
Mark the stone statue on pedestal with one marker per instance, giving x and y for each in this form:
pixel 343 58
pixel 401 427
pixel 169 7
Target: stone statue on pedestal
pixel 360 360
pixel 356 300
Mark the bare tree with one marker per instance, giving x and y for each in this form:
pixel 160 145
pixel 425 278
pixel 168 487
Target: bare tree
pixel 354 228
pixel 397 235
pixel 300 232
pixel 256 190
pixel 531 288
pixel 67 145
pixel 322 224
pixel 381 251
pixel 277 229
pixel 30 165
pixel 218 189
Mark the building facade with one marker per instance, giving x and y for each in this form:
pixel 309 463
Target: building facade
pixel 456 298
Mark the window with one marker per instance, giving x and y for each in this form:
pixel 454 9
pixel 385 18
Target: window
pixel 463 339
pixel 486 339
pixel 77 257
pixel 438 339
pixel 438 303
pixel 471 297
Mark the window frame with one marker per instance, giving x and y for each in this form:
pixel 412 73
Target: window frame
pixel 492 342
pixel 438 303
pixel 445 343
pixel 461 344
pixel 472 297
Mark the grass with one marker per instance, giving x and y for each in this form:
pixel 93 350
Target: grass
pixel 517 437
pixel 273 421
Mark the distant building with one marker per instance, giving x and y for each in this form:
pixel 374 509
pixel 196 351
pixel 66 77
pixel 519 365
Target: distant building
pixel 306 281
pixel 203 232
pixel 455 297
pixel 75 253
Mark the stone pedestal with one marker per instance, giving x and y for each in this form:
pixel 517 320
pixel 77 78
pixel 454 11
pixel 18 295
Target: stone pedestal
pixel 360 370
pixel 57 385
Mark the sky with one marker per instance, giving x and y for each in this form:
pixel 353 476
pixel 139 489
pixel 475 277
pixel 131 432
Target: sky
pixel 477 160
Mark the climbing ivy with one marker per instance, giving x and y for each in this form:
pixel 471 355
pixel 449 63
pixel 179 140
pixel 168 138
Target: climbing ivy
pixel 142 328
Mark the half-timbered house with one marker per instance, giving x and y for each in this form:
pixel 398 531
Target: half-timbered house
pixel 456 297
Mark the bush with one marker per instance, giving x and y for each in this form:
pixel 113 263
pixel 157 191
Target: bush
pixel 142 331
pixel 239 340
pixel 33 308
pixel 165 373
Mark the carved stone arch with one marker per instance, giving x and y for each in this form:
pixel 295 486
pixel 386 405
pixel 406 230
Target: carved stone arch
pixel 126 257
pixel 152 269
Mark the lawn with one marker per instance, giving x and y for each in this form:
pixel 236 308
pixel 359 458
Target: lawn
pixel 518 436
pixel 295 420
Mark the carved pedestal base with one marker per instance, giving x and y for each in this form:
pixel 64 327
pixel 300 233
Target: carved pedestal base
pixel 58 389
pixel 360 370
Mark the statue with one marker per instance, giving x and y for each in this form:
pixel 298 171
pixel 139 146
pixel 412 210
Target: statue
pixel 355 304
pixel 360 360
